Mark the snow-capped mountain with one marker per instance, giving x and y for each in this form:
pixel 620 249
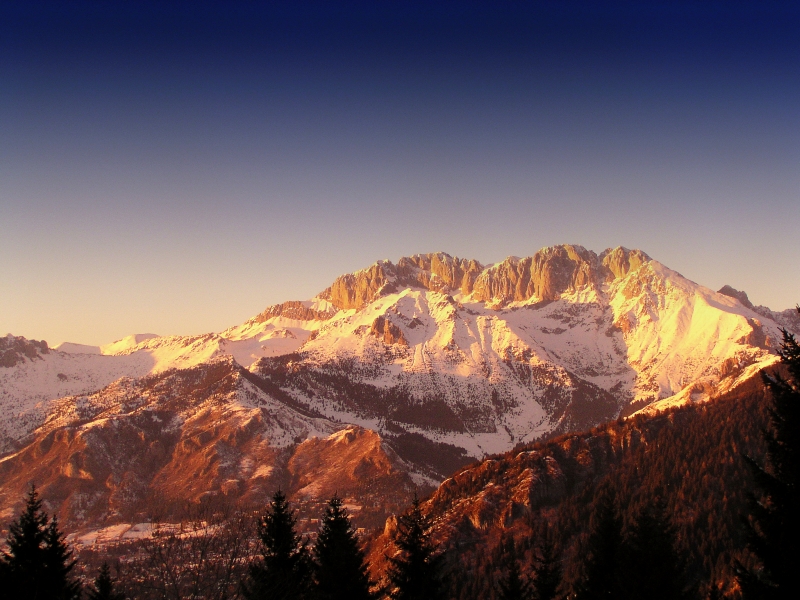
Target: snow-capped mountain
pixel 432 350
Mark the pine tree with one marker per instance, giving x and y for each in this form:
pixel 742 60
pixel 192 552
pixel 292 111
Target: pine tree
pixel 283 573
pixel 512 586
pixel 340 569
pixel 104 587
pixel 58 564
pixel 23 565
pixel 548 570
pixel 37 565
pixel 603 550
pixel 774 527
pixel 714 592
pixel 415 573
pixel 651 568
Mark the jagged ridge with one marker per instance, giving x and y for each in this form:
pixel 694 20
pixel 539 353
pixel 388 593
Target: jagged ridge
pixel 545 275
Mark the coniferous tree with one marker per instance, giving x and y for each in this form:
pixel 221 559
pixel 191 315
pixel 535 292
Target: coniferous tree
pixel 38 563
pixel 714 592
pixel 774 527
pixel 104 587
pixel 415 573
pixel 512 586
pixel 340 568
pixel 23 564
pixel 603 551
pixel 58 564
pixel 651 567
pixel 283 573
pixel 548 570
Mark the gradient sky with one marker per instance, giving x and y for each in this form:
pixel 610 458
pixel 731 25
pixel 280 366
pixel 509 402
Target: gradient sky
pixel 175 168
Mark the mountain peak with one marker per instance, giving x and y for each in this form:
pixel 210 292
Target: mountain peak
pixel 546 275
pixel 621 261
pixel 127 343
pixel 727 290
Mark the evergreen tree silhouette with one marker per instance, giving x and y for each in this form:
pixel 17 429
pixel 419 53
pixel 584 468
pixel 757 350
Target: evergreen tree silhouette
pixel 415 573
pixel 340 569
pixel 548 570
pixel 512 586
pixel 774 527
pixel 58 564
pixel 714 592
pixel 283 573
pixel 38 563
pixel 651 567
pixel 603 550
pixel 104 587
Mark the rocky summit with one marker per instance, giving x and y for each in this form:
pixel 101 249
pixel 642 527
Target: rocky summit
pixel 389 380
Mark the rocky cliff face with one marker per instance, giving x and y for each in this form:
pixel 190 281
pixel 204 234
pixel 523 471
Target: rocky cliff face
pixel 293 310
pixel 358 289
pixel 619 262
pixel 544 276
pixel 435 272
pixel 439 271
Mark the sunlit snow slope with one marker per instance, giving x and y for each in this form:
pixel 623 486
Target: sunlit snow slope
pixel 480 357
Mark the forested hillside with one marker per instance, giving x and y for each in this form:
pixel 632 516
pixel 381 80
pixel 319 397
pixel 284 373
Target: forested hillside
pixel 692 458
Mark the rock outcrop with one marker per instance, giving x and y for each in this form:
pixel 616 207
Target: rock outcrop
pixel 727 290
pixel 620 261
pixel 15 349
pixel 356 290
pixel 436 272
pixel 293 309
pixel 388 332
pixel 439 271
pixel 789 319
pixel 545 275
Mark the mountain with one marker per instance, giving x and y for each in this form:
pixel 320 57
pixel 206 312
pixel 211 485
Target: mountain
pixel 433 361
pixel 147 444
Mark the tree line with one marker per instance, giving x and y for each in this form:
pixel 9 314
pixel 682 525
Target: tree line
pixel 39 565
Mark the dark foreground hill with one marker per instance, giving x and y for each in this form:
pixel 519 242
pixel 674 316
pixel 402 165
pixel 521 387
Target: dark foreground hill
pixel 692 457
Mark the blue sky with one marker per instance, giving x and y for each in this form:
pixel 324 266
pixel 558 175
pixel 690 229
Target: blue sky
pixel 175 168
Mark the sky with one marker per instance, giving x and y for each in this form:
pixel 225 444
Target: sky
pixel 175 168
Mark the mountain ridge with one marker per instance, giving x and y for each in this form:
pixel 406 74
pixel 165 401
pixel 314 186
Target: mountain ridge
pixel 444 359
pixel 545 275
pixel 624 284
